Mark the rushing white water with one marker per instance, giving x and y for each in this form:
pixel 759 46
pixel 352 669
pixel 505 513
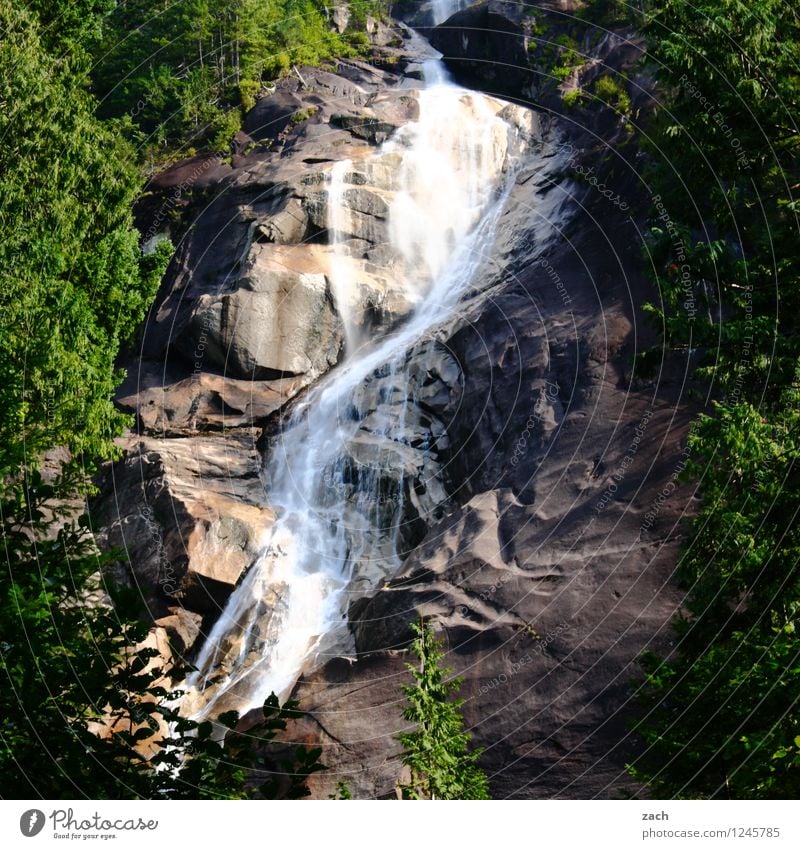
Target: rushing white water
pixel 338 476
pixel 443 9
pixel 342 284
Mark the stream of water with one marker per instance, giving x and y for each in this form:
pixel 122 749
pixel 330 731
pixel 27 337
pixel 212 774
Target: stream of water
pixel 338 473
pixel 443 9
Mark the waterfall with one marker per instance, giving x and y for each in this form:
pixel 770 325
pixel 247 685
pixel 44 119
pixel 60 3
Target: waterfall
pixel 444 9
pixel 343 286
pixel 352 463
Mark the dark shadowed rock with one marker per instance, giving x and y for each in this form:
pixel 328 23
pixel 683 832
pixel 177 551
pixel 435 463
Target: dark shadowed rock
pixel 485 47
pixel 364 127
pixel 182 627
pixel 546 582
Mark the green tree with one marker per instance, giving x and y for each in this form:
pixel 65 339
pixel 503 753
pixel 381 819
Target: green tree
pixel 73 282
pixel 720 714
pixel 725 146
pixel 86 707
pixel 437 753
pixel 182 71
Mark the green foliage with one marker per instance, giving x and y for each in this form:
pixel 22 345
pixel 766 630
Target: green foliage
pixel 248 92
pixel 73 283
pixel 567 42
pixel 721 727
pixel 302 115
pixel 606 13
pixel 360 9
pixel 565 55
pixel 357 40
pixel 613 93
pixel 71 30
pixel 721 714
pixel 727 150
pixel 86 705
pixel 747 527
pixel 573 97
pixel 342 792
pixel 182 71
pixel 437 752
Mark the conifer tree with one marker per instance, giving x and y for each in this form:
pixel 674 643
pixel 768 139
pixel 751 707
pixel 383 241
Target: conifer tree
pixel 719 714
pixel 437 753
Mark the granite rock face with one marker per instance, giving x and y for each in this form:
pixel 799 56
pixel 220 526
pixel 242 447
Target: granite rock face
pixel 247 315
pixel 548 570
pixel 485 45
pixel 551 575
pixel 190 515
pixel 544 52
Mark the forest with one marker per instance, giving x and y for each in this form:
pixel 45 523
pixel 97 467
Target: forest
pixel 722 711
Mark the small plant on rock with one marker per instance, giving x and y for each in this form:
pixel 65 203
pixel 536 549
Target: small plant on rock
pixel 436 751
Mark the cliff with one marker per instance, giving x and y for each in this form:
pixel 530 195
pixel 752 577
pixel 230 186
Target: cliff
pixel 546 564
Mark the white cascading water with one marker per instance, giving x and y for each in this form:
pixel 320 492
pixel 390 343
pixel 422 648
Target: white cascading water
pixel 339 515
pixel 341 279
pixel 444 9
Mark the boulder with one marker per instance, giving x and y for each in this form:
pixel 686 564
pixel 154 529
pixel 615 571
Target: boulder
pixel 182 628
pixel 276 323
pixel 484 46
pixel 367 127
pixel 341 17
pixel 204 402
pixel 379 33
